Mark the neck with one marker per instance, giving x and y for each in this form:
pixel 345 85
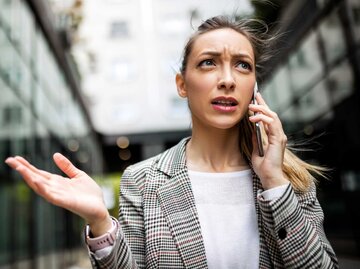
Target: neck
pixel 215 150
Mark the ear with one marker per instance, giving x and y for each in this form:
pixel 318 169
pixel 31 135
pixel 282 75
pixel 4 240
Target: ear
pixel 180 84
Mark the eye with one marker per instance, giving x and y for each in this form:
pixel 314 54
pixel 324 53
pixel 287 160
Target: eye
pixel 244 65
pixel 207 62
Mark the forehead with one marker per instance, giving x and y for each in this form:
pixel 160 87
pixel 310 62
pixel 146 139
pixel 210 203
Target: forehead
pixel 221 39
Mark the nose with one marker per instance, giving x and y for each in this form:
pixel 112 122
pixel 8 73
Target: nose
pixel 226 79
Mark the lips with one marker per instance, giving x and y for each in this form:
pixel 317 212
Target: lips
pixel 224 104
pixel 224 101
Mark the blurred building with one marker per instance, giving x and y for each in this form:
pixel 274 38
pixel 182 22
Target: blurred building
pixel 120 99
pixel 41 112
pixel 313 83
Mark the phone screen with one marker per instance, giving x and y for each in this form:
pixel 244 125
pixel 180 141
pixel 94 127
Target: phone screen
pixel 257 127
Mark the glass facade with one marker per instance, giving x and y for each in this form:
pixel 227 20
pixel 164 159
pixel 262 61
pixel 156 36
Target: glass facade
pixel 316 75
pixel 315 91
pixel 40 114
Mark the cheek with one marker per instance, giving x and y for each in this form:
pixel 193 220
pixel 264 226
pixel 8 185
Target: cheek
pixel 200 84
pixel 246 96
pixel 247 88
pixel 197 89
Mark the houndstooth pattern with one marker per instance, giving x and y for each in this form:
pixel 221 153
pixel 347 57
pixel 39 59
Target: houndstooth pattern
pixel 160 226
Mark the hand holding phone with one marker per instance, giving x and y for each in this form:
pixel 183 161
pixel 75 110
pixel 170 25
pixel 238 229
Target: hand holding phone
pixel 257 126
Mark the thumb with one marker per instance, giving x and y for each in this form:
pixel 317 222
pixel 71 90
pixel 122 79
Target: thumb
pixel 65 165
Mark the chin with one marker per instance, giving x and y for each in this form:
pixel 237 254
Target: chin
pixel 220 123
pixel 224 125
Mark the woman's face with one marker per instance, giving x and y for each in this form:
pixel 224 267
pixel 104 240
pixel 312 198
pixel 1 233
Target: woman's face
pixel 219 78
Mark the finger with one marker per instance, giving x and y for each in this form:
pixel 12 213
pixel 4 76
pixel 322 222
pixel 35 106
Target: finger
pixel 261 117
pixel 262 109
pixel 66 166
pixel 28 176
pixel 260 100
pixel 12 162
pixel 272 126
pixel 43 173
pixel 266 129
pixel 47 189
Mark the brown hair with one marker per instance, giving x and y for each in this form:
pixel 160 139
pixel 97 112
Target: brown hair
pixel 299 172
pixel 256 31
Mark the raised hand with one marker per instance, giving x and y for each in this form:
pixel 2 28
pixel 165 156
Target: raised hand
pixel 269 167
pixel 78 193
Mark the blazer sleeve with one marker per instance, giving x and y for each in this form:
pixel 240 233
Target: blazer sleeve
pixel 294 223
pixel 128 251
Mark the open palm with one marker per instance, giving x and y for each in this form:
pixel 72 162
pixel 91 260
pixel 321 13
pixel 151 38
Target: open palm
pixel 78 193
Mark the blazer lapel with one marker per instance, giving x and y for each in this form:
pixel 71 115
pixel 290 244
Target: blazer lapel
pixel 178 204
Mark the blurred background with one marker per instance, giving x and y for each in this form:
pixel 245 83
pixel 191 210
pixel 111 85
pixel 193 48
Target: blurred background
pixel 94 80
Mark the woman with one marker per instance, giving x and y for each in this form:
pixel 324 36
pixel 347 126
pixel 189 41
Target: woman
pixel 211 201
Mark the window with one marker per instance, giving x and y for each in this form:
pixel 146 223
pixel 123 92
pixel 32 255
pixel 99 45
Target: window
pixel 281 85
pixel 119 29
pixel 12 116
pixel 123 70
pixel 315 103
pixel 6 56
pixel 333 37
pixel 340 82
pixel 305 64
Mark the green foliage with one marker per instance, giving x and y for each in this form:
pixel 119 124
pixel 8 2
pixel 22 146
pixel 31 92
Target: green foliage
pixel 113 181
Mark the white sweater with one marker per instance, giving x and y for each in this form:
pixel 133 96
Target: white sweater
pixel 226 208
pixel 228 220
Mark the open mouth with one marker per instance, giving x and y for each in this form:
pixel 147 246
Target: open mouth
pixel 224 103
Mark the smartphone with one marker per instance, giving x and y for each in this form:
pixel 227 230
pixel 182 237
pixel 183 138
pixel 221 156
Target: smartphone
pixel 257 126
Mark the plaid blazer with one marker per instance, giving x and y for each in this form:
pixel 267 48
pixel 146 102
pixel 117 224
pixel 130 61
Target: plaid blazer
pixel 160 226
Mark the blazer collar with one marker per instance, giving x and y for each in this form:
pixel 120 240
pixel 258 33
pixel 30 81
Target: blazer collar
pixel 177 202
pixel 174 160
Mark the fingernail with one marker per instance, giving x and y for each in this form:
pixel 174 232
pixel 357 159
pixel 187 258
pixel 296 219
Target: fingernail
pixel 8 159
pixel 19 158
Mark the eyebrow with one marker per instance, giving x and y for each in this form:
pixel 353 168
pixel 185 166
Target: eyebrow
pixel 217 54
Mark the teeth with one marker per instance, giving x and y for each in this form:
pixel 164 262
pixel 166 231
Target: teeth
pixel 224 102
